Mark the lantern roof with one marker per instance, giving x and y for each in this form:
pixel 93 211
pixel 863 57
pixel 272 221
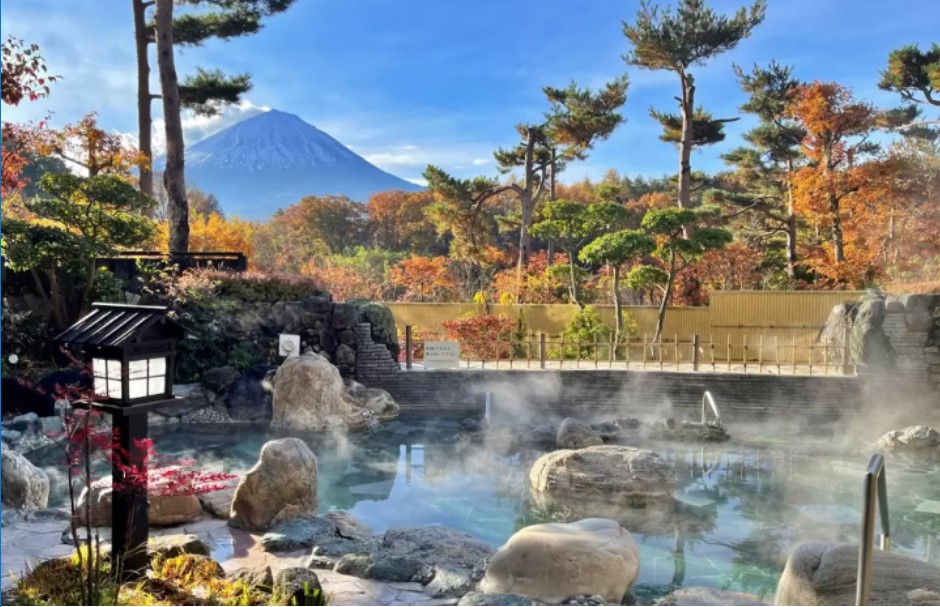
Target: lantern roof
pixel 116 325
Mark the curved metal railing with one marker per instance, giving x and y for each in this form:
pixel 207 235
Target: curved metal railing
pixel 709 400
pixel 876 489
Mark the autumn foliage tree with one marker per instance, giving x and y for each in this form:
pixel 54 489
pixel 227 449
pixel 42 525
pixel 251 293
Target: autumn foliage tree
pixel 837 138
pixel 398 221
pixel 422 279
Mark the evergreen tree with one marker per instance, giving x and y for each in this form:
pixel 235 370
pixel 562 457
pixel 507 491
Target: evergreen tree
pixel 761 184
pixel 915 76
pixel 663 40
pixel 208 90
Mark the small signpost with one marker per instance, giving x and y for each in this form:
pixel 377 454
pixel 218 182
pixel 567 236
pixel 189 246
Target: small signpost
pixel 441 354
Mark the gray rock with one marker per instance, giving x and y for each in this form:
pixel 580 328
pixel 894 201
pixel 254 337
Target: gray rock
pixel 309 395
pixel 23 485
pixel 27 418
pixel 12 436
pixel 218 503
pixel 380 567
pixel 220 379
pixel 474 599
pixel 825 574
pixel 348 526
pixel 345 316
pixel 170 546
pixel 259 577
pixel 915 441
pixel 573 434
pixel 280 487
pixel 297 533
pixel 247 399
pixel 608 473
pixel 455 557
pixel 296 586
pixel 869 345
pixel 345 356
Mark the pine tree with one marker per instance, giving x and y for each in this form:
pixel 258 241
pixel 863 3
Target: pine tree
pixel 761 184
pixel 663 40
pixel 208 90
pixel 578 118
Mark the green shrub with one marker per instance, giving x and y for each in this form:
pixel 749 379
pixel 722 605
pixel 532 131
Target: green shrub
pixel 581 333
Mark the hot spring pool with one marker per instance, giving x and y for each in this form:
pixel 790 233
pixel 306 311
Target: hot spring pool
pixel 744 504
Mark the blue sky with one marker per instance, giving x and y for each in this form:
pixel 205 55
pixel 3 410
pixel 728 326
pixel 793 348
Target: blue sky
pixel 411 82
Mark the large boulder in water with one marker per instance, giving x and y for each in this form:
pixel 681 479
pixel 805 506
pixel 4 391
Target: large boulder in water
pixel 826 574
pixel 309 395
pixel 624 476
pixel 915 441
pixel 281 486
pixel 573 434
pixel 555 561
pixel 25 486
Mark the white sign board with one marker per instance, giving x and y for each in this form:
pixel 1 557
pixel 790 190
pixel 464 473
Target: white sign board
pixel 288 345
pixel 441 354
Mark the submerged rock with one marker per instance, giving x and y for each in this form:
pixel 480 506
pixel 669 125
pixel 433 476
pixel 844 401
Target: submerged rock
pixel 825 574
pixel 687 432
pixel 376 400
pixel 609 473
pixel 573 434
pixel 703 595
pixel 381 567
pixel 309 395
pixel 281 486
pixel 554 561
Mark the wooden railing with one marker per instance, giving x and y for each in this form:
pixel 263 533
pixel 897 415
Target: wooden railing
pixel 695 353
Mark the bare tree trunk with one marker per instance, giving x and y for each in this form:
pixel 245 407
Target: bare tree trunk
pixel 144 117
pixel 550 254
pixel 173 175
pixel 687 110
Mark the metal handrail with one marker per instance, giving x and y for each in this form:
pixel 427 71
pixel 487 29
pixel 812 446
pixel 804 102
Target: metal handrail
pixel 708 399
pixel 876 488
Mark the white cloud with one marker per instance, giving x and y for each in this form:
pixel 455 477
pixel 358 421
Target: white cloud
pixel 480 161
pixel 417 181
pixel 196 128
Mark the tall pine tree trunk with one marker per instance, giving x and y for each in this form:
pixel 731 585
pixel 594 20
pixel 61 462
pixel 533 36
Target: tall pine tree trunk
pixel 144 116
pixel 173 175
pixel 838 244
pixel 527 202
pixel 687 110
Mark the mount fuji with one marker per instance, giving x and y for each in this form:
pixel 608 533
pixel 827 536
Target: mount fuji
pixel 272 160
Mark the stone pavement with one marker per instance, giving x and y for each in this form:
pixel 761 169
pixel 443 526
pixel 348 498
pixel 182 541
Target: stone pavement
pixel 26 542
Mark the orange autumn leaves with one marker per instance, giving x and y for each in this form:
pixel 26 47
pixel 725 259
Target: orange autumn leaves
pixel 870 216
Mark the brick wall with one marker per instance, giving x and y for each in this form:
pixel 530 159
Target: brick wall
pixel 374 362
pixel 912 326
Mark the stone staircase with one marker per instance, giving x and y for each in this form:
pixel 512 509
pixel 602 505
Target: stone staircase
pixel 374 362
